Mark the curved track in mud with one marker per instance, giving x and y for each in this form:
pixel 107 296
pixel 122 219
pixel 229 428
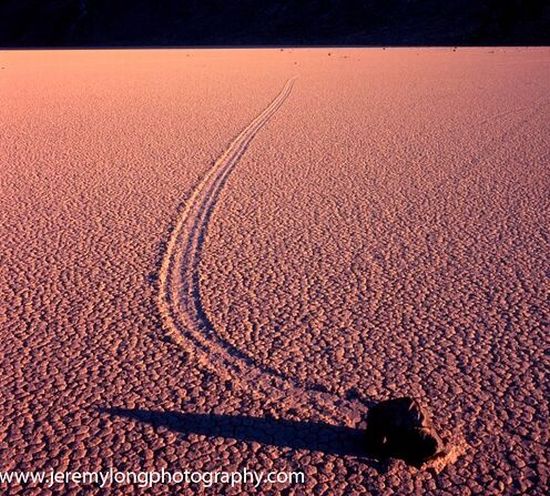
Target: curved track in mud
pixel 179 298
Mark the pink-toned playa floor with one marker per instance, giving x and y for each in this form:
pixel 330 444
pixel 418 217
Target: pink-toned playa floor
pixel 209 264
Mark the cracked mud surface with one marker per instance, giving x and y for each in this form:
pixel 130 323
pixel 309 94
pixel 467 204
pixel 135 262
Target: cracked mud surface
pixel 381 233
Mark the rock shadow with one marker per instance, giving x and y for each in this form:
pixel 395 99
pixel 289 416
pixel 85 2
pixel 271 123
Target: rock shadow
pixel 311 436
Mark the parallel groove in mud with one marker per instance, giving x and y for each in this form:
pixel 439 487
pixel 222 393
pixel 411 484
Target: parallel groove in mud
pixel 179 297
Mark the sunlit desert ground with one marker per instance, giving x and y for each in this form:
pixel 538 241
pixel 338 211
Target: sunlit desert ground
pixel 210 257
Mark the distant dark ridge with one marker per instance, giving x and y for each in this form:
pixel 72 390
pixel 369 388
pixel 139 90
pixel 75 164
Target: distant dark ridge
pixel 97 23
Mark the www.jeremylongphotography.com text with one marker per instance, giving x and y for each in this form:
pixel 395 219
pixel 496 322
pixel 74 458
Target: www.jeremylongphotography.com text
pixel 150 478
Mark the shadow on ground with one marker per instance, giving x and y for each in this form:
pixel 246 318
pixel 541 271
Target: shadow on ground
pixel 312 436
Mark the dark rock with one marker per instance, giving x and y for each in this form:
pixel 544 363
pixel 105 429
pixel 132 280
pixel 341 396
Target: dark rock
pixel 401 428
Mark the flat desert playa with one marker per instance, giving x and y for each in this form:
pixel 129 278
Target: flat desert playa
pixel 216 259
